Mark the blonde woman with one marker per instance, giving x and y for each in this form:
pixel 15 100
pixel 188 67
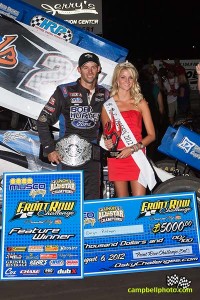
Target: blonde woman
pixel 130 111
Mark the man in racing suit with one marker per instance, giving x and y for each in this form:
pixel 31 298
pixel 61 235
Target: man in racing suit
pixel 77 106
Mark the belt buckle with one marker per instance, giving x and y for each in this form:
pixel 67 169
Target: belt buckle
pixel 74 150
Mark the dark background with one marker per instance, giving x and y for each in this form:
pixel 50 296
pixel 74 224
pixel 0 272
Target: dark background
pixel 154 28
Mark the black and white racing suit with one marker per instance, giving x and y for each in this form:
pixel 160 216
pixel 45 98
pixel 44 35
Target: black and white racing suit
pixel 69 105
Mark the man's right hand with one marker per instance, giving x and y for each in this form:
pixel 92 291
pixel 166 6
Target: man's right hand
pixel 54 157
pixel 108 143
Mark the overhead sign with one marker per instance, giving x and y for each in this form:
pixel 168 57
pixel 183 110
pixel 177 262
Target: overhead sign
pixel 84 14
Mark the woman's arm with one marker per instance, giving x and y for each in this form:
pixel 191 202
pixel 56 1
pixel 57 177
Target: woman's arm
pixel 148 123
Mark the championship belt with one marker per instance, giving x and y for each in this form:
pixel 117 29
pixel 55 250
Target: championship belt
pixel 111 132
pixel 74 150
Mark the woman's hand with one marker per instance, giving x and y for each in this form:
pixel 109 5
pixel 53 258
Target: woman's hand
pixel 126 152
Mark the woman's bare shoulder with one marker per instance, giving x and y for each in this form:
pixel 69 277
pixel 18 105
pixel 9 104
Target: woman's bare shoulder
pixel 143 103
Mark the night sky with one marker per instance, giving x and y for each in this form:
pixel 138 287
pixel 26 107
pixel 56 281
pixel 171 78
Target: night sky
pixel 152 28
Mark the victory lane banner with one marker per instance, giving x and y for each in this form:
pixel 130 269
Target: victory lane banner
pixel 141 234
pixel 42 228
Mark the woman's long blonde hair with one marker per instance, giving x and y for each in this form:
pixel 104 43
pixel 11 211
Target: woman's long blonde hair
pixel 135 90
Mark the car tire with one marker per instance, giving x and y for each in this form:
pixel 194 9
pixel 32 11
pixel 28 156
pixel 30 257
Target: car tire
pixel 180 184
pixel 169 165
